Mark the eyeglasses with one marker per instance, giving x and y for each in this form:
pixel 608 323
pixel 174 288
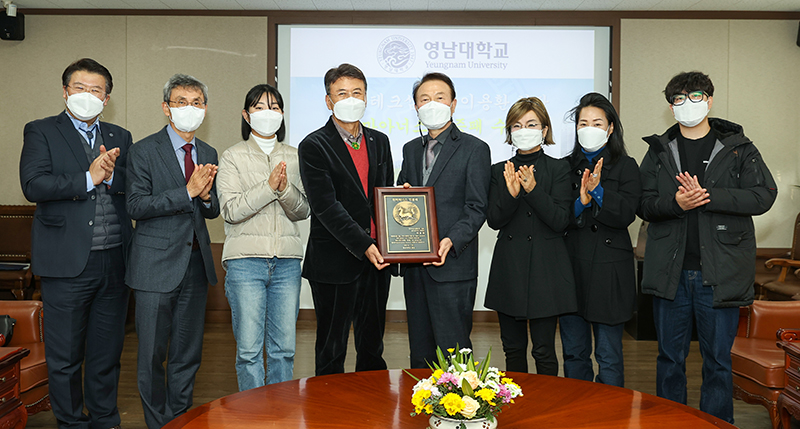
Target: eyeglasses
pixel 694 97
pixel 94 90
pixel 183 103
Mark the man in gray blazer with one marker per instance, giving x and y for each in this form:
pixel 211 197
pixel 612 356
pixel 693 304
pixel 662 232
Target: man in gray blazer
pixel 440 296
pixel 170 193
pixel 73 167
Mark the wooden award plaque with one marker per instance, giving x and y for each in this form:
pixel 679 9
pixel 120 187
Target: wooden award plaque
pixel 406 223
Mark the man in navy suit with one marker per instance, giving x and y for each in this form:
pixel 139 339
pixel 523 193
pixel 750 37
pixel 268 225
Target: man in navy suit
pixel 340 165
pixel 170 194
pixel 440 296
pixel 73 167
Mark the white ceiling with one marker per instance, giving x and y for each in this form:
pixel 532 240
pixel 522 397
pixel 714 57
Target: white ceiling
pixel 448 5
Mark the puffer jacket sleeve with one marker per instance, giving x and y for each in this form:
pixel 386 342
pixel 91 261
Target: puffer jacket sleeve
pixel 239 204
pixel 293 200
pixel 756 192
pixel 655 206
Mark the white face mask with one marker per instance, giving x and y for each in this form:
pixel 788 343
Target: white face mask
pixel 690 114
pixel 592 138
pixel 526 138
pixel 349 110
pixel 266 122
pixel 187 118
pixel 434 115
pixel 84 106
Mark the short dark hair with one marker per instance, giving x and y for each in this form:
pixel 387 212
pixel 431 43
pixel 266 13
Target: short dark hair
pixel 251 100
pixel 87 65
pixel 179 80
pixel 688 82
pixel 433 76
pixel 615 144
pixel 344 70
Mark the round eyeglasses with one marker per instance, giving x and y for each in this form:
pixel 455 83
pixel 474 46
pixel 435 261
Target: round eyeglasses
pixel 694 97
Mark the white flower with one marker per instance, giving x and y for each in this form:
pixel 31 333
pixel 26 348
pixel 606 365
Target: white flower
pixel 472 379
pixel 471 407
pixel 514 390
pixel 492 384
pixel 465 351
pixel 426 384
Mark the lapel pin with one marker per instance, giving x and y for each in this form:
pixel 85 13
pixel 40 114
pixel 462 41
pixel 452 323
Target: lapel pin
pixel 111 134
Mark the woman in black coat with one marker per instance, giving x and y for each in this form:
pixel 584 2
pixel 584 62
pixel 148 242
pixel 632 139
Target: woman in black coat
pixel 530 282
pixel 606 188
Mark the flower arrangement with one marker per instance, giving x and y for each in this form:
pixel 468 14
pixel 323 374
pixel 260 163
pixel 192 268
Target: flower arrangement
pixel 461 388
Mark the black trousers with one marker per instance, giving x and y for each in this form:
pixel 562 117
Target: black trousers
pixel 86 320
pixel 439 314
pixel 170 328
pixel 361 303
pixel 514 334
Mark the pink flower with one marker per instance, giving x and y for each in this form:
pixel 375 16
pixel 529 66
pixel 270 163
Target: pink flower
pixel 448 378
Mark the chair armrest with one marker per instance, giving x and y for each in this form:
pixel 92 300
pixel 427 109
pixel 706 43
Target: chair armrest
pixel 788 334
pixel 28 314
pixel 782 262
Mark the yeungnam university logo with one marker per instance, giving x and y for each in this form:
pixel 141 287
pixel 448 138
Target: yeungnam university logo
pixel 396 54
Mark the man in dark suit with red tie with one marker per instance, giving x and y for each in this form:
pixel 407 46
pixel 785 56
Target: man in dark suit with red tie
pixel 170 194
pixel 340 165
pixel 73 167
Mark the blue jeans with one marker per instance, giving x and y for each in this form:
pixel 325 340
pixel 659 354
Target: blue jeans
pixel 576 341
pixel 716 329
pixel 264 295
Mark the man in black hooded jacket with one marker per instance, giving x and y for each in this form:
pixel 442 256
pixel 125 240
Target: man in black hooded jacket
pixel 702 181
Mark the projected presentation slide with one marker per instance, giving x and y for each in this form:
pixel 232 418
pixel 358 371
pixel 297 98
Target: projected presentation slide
pixel 490 67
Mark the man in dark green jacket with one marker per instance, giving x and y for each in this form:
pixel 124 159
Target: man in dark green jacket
pixel 702 181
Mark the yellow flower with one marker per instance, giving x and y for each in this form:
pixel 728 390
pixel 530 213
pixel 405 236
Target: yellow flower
pixel 451 350
pixel 452 403
pixel 418 400
pixel 501 373
pixel 509 382
pixel 438 373
pixel 471 407
pixel 487 395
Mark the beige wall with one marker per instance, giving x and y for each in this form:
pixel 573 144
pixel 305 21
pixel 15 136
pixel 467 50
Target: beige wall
pixel 753 65
pixel 227 53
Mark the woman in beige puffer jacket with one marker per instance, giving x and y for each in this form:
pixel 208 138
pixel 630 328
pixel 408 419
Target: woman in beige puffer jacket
pixel 262 199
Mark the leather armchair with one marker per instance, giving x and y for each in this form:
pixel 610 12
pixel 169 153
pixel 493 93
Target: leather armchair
pixel 758 363
pixel 786 286
pixel 34 389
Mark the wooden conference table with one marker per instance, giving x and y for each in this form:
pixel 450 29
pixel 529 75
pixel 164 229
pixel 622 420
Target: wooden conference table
pixel 382 399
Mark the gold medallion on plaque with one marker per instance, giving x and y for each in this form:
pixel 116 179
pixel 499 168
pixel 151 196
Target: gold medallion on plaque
pixel 406 213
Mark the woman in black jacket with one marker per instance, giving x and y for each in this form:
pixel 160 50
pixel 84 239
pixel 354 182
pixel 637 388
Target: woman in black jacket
pixel 606 187
pixel 530 282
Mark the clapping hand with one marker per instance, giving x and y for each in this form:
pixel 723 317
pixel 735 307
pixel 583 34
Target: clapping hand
pixel 512 182
pixel 526 177
pixel 589 181
pixel 277 179
pixel 690 194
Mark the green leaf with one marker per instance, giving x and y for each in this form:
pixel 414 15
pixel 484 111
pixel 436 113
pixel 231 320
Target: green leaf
pixel 466 388
pixel 412 375
pixel 442 362
pixel 485 365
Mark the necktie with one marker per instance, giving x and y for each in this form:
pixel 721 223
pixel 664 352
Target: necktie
pixel 188 164
pixel 429 155
pixel 89 137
